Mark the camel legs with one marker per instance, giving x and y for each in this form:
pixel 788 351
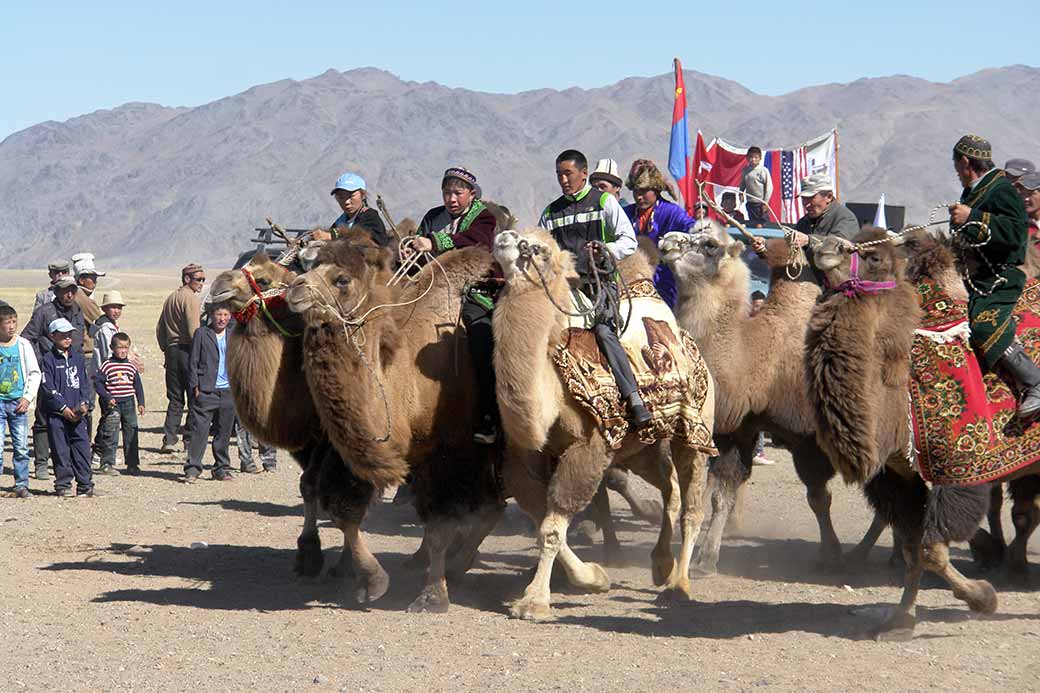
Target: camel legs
pixel 371 581
pixel 727 471
pixel 474 530
pixel 433 597
pixel 815 471
pixel 1025 515
pixel 988 549
pixel 309 559
pixel 571 487
pixel 858 556
pixel 691 469
pixel 900 625
pixel 647 510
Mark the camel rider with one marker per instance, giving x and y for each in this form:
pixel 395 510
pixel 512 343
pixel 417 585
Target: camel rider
pixel 352 197
pixel 990 231
pixel 576 219
pixel 464 221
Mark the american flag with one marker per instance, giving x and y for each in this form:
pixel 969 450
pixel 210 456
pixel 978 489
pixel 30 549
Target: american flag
pixel 793 167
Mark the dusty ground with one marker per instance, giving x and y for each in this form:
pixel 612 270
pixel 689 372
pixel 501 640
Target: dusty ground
pixel 107 594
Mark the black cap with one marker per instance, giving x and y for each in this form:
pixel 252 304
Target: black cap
pixel 1019 167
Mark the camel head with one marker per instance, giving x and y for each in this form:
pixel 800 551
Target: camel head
pixel 522 255
pixel 337 286
pixel 700 256
pixel 233 287
pixel 882 262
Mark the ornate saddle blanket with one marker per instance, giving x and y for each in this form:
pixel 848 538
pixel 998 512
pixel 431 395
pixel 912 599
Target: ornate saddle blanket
pixel 964 423
pixel 672 376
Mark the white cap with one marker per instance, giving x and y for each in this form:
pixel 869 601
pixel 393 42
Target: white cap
pixel 83 263
pixel 606 169
pixel 816 183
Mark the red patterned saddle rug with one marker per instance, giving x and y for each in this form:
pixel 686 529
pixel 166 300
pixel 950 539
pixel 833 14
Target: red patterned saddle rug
pixel 672 376
pixel 964 423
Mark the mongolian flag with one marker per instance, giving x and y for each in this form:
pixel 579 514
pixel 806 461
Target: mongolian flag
pixel 679 162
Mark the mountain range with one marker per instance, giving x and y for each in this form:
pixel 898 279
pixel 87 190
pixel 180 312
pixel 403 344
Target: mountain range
pixel 145 185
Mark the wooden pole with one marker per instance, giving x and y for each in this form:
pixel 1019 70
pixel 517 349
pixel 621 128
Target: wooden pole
pixel 837 179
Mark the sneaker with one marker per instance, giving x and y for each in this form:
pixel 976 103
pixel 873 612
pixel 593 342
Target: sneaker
pixel 22 492
pixel 64 493
pixel 486 433
pixel 251 470
pixel 91 492
pixel 271 469
pixel 168 449
pixel 133 470
pixel 95 461
pixel 42 474
pixel 222 475
pixel 107 470
pixel 191 477
pixel 762 461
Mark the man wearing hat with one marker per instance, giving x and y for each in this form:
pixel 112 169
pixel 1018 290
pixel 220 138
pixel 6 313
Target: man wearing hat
pixel 652 215
pixel 990 232
pixel 180 317
pixel 55 271
pixel 1029 188
pixel 66 391
pixel 606 178
pixel 824 215
pixel 352 197
pixel 461 222
pixel 86 278
pixel 1014 169
pixel 36 332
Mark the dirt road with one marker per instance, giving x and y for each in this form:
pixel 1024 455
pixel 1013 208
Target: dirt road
pixel 108 594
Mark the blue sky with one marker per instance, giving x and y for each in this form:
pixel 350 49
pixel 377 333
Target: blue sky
pixel 59 60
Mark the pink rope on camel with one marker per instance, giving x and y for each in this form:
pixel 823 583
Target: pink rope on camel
pixel 855 286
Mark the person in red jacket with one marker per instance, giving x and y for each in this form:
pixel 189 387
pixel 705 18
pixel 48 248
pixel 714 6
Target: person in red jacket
pixel 461 222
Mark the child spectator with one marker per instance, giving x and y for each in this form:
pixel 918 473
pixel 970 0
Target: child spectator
pixel 212 407
pixel 19 381
pixel 118 383
pixel 102 329
pixel 729 205
pixel 246 442
pixel 757 185
pixel 66 392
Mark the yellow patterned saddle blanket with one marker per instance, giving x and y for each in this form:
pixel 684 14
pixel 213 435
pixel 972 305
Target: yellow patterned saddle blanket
pixel 672 377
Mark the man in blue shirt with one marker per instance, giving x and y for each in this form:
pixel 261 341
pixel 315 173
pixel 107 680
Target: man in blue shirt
pixel 213 408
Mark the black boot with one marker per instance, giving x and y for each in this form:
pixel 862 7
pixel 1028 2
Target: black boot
pixel 640 416
pixel 1026 375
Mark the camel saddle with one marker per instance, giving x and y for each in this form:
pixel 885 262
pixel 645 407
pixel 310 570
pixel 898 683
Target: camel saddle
pixel 964 425
pixel 672 376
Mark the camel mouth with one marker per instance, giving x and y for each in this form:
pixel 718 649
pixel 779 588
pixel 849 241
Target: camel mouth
pixel 298 297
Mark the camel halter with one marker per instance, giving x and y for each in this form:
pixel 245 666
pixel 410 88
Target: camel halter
pixel 262 301
pixel 854 286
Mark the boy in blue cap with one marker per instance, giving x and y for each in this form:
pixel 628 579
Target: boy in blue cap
pixel 66 393
pixel 352 197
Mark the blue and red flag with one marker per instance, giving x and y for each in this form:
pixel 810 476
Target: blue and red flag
pixel 680 163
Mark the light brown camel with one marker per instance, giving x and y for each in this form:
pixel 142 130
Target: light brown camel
pixel 273 402
pixel 757 362
pixel 560 455
pixel 394 391
pixel 857 365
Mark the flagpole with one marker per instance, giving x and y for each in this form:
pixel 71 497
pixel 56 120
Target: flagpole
pixel 837 179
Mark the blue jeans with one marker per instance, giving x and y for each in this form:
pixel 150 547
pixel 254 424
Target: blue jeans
pixel 18 424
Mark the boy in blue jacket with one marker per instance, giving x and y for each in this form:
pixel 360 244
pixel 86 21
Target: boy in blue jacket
pixel 66 393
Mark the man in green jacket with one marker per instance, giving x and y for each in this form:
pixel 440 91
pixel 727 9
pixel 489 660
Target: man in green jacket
pixel 991 232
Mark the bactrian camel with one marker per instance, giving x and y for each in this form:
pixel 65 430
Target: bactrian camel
pixel 393 389
pixel 858 368
pixel 759 376
pixel 273 402
pixel 560 455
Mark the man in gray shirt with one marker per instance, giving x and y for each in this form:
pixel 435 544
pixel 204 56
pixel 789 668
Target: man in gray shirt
pixel 824 215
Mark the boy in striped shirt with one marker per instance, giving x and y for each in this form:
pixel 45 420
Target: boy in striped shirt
pixel 117 383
